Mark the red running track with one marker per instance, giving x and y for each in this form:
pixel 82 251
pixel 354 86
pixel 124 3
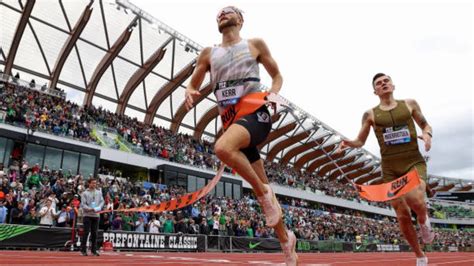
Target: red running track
pixel 209 258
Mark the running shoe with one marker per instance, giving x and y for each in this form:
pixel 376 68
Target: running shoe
pixel 427 233
pixel 270 206
pixel 291 258
pixel 423 261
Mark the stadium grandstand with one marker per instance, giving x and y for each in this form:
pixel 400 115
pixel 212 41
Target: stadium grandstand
pixel 96 89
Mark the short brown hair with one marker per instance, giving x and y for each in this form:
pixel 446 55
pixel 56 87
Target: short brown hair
pixel 378 75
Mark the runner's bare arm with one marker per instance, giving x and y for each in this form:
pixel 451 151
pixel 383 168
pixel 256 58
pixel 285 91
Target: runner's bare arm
pixel 265 58
pixel 418 116
pixel 367 119
pixel 427 131
pixel 202 66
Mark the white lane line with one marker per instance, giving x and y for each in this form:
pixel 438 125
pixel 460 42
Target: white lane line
pixel 451 262
pixel 264 262
pixel 389 260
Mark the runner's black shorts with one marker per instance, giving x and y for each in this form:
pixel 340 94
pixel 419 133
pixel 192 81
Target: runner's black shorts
pixel 258 124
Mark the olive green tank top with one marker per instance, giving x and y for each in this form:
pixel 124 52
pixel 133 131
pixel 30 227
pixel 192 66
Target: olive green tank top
pixel 395 131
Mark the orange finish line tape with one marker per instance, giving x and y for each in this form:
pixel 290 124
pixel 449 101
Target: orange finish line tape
pixel 180 202
pixel 391 190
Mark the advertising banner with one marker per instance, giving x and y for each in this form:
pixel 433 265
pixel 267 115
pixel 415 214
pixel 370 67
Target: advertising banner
pixel 28 236
pixel 256 244
pixel 144 241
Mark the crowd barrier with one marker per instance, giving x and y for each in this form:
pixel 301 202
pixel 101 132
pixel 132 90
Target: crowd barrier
pixel 28 236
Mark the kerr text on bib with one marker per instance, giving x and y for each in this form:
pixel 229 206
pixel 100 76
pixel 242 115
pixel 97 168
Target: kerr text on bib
pixel 229 95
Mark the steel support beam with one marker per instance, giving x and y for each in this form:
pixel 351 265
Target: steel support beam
pixel 107 61
pixel 20 29
pixel 139 76
pixel 69 44
pixel 166 91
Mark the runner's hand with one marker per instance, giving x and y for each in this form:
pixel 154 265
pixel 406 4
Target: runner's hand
pixel 276 101
pixel 344 144
pixel 271 103
pixel 427 139
pixel 190 96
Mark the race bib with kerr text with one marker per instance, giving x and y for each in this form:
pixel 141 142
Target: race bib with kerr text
pixel 396 135
pixel 229 95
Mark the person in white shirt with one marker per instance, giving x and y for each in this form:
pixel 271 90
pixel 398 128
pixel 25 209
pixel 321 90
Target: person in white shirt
pixel 140 225
pixel 48 214
pixel 54 200
pixel 215 225
pixel 92 202
pixel 154 225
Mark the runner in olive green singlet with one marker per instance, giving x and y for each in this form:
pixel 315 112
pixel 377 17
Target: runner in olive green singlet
pixel 396 134
pixel 393 123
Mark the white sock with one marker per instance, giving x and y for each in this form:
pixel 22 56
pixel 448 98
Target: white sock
pixel 427 222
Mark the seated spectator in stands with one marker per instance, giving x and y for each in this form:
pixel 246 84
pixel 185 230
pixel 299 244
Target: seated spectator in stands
pixel 249 231
pixel 195 213
pixel 31 217
pixel 140 225
pixel 117 223
pixel 48 214
pixel 34 181
pixel 59 187
pixel 203 227
pixel 239 229
pixel 128 223
pixel 193 228
pixel 215 225
pixel 17 215
pixel 181 226
pixel 30 202
pixel 154 225
pixel 3 210
pixel 104 222
pixel 10 203
pixel 76 202
pixel 52 197
pixel 63 217
pixel 168 226
pixel 108 204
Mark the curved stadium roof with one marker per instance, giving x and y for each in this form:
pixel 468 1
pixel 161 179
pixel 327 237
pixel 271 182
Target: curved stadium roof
pixel 115 55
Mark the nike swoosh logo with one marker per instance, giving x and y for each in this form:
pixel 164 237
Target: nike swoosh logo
pixel 252 246
pixel 394 193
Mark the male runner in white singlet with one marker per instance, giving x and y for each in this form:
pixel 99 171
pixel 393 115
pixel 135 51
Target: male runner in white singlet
pixel 235 74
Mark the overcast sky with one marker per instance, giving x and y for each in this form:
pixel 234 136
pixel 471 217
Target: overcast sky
pixel 328 52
